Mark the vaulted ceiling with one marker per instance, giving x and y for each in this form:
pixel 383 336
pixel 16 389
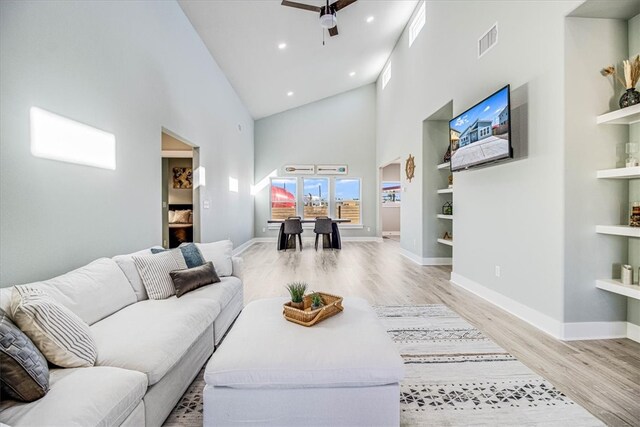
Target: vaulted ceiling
pixel 244 37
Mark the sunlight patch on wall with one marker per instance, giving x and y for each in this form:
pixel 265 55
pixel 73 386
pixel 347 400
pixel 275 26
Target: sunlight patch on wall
pixel 57 138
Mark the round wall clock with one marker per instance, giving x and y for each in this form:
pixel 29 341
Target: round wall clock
pixel 410 167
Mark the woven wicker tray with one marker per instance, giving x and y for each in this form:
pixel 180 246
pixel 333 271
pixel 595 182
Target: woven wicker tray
pixel 307 317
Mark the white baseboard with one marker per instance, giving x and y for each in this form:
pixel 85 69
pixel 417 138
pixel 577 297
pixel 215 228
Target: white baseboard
pixel 540 320
pixel 633 332
pixel 308 239
pixel 243 247
pixel 361 239
pixel 594 330
pixel 390 233
pixel 569 331
pixel 425 261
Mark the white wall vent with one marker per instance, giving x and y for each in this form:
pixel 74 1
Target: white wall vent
pixel 488 40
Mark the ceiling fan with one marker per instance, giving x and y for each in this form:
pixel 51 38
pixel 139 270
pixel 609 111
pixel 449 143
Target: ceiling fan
pixel 328 18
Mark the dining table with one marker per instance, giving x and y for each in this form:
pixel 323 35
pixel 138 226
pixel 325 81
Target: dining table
pixel 284 243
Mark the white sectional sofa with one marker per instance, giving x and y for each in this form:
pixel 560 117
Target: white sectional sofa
pixel 149 351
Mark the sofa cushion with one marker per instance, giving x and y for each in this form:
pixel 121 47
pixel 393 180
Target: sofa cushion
pixel 191 279
pixel 128 267
pixel 221 292
pixel 92 292
pixel 97 396
pixel 25 374
pixel 154 271
pixel 153 335
pixel 62 337
pixel 220 254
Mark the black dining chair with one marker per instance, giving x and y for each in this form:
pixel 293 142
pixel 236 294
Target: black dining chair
pixel 324 227
pixel 292 226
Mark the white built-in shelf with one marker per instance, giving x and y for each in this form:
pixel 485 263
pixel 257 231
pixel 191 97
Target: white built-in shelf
pixel 446 191
pixel 620 173
pixel 616 286
pixel 446 165
pixel 623 116
pixel 618 230
pixel 443 216
pixel 446 242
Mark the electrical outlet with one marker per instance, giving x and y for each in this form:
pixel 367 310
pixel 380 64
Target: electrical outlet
pixel 497 271
pixel 264 230
pixel 368 228
pixel 164 243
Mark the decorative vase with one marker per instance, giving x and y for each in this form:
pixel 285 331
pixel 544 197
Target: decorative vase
pixel 298 305
pixel 629 98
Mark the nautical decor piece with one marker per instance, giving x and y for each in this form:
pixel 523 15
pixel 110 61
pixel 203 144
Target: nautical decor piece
pixel 299 169
pixel 447 208
pixel 410 167
pixel 332 169
pixel 447 236
pixel 182 178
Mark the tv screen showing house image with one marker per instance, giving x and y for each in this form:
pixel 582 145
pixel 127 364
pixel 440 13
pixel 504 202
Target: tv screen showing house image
pixel 482 133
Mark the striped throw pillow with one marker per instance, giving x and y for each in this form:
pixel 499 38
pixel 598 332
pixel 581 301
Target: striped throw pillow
pixel 154 271
pixel 60 335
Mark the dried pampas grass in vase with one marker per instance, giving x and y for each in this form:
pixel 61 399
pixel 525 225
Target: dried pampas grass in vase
pixel 631 73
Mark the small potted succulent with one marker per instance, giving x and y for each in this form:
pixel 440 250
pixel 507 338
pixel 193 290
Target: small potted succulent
pixel 316 301
pixel 297 290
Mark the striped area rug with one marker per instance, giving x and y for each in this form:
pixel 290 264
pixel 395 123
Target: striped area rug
pixel 455 376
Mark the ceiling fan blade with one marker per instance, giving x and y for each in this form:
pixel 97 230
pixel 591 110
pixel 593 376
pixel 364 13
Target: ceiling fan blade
pixel 333 31
pixel 301 6
pixel 341 4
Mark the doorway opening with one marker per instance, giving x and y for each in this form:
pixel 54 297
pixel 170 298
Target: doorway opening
pixel 390 200
pixel 180 193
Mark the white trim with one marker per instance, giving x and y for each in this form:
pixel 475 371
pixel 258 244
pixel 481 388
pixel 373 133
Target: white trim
pixel 391 233
pixel 177 154
pixel 593 330
pixel 633 332
pixel 541 321
pixel 425 261
pixel 361 239
pixel 243 247
pixel 563 331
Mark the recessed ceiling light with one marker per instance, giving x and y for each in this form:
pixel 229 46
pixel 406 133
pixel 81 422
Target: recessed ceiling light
pixel 370 19
pixel 282 46
pixel 289 93
pixel 353 73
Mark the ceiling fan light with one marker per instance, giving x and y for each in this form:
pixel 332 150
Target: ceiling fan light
pixel 328 20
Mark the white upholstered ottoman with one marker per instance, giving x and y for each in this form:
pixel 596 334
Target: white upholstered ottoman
pixel 268 371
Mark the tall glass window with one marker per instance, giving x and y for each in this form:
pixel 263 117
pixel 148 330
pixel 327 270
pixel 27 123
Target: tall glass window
pixel 315 197
pixel 283 197
pixel 347 199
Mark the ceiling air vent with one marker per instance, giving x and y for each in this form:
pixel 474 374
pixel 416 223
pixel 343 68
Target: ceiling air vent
pixel 488 40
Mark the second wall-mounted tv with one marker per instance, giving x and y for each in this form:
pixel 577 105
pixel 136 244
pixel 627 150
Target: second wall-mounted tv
pixel 482 134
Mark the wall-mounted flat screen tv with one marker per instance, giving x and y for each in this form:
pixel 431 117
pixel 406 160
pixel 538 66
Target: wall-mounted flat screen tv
pixel 482 134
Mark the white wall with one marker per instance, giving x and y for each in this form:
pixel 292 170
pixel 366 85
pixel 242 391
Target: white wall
pixel 128 68
pixel 509 214
pixel 591 44
pixel 335 130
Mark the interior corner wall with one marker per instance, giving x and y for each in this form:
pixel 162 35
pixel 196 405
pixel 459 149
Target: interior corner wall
pixel 591 44
pixel 633 305
pixel 128 68
pixel 510 214
pixel 335 130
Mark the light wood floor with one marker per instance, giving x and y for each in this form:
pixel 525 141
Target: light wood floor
pixel 603 376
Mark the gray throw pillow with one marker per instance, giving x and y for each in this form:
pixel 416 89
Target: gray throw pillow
pixel 193 278
pixel 24 375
